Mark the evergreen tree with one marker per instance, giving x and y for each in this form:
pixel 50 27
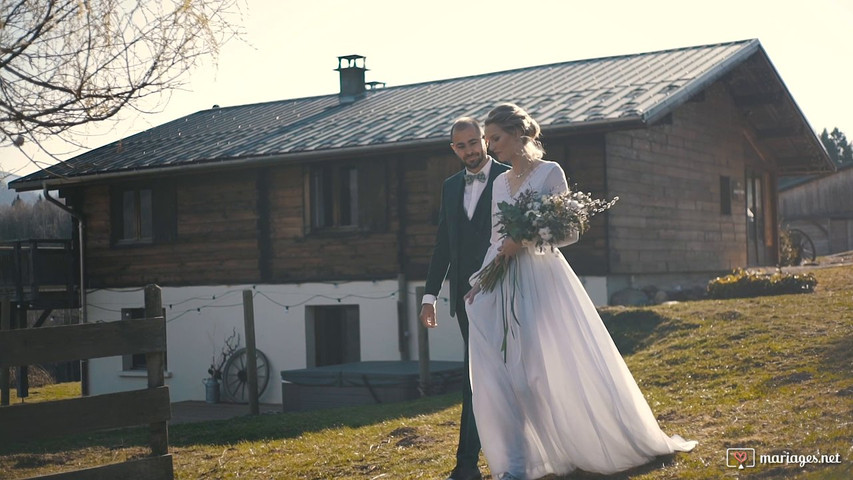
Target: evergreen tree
pixel 840 150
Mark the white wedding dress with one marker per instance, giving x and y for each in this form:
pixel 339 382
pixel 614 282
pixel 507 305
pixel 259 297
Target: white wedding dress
pixel 564 398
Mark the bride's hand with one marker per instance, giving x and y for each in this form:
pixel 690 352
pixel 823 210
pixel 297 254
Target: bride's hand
pixel 469 297
pixel 509 248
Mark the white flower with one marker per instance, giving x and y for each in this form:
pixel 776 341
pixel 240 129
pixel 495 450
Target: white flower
pixel 532 213
pixel 545 233
pixel 574 205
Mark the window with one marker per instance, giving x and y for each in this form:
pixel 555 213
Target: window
pixel 137 361
pixel 332 335
pixel 334 196
pixel 725 195
pixel 143 214
pixel 137 215
pixel 343 196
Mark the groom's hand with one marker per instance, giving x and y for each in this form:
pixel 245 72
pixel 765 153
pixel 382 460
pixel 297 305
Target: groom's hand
pixel 428 315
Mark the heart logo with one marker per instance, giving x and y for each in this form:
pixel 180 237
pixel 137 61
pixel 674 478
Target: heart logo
pixel 739 456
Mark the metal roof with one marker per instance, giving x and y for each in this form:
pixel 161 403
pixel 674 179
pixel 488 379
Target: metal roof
pixel 627 91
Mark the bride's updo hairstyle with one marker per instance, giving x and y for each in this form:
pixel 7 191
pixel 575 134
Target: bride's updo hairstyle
pixel 514 120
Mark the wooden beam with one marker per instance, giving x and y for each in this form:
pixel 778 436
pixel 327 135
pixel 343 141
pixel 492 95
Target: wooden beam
pixel 423 352
pixel 32 421
pixel 264 209
pixel 151 468
pixel 251 358
pixel 46 313
pixel 5 326
pixel 83 341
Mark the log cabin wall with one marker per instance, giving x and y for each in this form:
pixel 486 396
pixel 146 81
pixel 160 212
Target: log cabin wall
pixel 424 177
pixel 669 217
pixel 303 252
pixel 583 160
pixel 214 237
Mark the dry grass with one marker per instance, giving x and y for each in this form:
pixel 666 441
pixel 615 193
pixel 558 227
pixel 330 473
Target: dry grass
pixel 772 373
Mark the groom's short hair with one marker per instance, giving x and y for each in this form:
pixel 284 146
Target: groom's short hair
pixel 465 122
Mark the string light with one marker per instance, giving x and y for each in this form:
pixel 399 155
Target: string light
pixel 286 306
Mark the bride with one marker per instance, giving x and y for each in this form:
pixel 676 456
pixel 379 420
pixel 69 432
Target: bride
pixel 560 397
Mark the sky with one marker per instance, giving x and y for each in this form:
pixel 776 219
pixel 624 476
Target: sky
pixel 290 50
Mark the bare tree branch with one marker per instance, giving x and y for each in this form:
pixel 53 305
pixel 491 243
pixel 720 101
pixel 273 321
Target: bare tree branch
pixel 67 63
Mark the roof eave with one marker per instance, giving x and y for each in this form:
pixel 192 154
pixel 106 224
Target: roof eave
pixel 225 163
pixel 577 128
pixel 699 84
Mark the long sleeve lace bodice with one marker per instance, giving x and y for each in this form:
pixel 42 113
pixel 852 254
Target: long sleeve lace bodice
pixel 546 178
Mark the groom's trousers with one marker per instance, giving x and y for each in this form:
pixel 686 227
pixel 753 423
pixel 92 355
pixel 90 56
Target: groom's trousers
pixel 468 451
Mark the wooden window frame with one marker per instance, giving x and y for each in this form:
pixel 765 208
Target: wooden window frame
pixel 328 191
pixel 161 207
pixel 344 197
pixel 142 214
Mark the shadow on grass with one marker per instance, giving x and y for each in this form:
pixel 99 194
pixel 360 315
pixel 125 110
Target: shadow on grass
pixel 271 426
pixel 635 328
pixel 839 352
pixel 656 464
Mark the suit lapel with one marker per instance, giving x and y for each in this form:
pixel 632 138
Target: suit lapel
pixel 455 193
pixel 486 196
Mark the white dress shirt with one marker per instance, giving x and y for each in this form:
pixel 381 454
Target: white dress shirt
pixel 471 196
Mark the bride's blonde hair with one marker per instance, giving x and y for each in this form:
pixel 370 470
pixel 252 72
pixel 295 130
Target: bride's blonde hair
pixel 513 119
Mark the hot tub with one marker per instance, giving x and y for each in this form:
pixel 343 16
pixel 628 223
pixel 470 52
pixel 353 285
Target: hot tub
pixel 363 383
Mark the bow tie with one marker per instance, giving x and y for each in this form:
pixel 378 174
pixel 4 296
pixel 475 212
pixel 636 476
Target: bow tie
pixel 469 177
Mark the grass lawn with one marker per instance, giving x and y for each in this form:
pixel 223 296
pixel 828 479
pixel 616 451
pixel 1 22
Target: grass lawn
pixel 772 373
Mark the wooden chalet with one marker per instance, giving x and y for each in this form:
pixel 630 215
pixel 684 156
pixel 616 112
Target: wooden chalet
pixel 327 205
pixel 822 207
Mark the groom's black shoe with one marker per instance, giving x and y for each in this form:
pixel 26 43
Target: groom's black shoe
pixel 458 474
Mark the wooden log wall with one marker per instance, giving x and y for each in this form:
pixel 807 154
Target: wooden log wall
pixel 667 176
pixel 253 225
pixel 215 242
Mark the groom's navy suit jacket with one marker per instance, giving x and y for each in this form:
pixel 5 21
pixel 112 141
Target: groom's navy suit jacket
pixel 449 247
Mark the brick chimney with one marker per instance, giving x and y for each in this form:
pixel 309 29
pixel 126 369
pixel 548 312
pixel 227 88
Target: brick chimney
pixel 351 68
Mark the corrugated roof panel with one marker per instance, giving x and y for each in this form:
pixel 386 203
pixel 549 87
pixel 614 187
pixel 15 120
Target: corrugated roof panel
pixel 563 94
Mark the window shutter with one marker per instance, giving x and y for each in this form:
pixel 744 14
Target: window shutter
pixel 116 221
pixel 373 195
pixel 165 212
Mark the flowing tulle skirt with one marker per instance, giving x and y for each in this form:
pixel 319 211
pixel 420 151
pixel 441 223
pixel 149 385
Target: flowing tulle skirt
pixel 563 397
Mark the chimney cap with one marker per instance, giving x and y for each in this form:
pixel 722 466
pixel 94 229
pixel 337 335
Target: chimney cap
pixel 352 61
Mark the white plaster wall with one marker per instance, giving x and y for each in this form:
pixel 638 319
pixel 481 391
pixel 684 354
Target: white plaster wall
pixel 596 288
pixel 445 340
pixel 198 323
pixel 200 318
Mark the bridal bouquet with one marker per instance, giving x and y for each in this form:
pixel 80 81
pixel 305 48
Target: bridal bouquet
pixel 544 220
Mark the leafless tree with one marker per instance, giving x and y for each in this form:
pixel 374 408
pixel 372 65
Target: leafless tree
pixel 66 63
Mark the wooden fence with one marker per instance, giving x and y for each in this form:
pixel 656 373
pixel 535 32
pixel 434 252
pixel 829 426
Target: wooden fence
pixel 151 406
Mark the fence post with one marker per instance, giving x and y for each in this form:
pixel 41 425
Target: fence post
pixel 159 432
pixel 423 352
pixel 5 325
pixel 251 359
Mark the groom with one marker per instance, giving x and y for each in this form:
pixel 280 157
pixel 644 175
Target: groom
pixel 464 229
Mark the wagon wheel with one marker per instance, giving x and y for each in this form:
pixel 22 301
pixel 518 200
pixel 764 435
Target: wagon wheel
pixel 803 244
pixel 235 377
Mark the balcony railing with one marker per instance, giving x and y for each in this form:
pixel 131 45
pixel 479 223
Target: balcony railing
pixel 41 273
